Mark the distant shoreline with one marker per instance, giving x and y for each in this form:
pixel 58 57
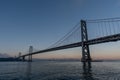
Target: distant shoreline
pixel 9 59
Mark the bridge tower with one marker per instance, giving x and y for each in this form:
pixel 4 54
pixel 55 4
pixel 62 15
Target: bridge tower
pixel 85 47
pixel 30 55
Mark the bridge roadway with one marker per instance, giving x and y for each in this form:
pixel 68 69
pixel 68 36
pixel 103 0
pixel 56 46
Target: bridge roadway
pixel 110 38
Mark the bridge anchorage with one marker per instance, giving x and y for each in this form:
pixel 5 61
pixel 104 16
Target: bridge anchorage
pixel 21 58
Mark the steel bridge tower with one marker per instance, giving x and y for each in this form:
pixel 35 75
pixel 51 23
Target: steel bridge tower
pixel 84 38
pixel 30 55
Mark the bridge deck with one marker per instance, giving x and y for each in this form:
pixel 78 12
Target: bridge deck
pixel 110 38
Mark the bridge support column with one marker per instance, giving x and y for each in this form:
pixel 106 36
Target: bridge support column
pixel 30 58
pixel 23 58
pixel 30 55
pixel 85 47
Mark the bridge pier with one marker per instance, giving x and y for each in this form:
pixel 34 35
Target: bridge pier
pixel 85 47
pixel 23 58
pixel 30 58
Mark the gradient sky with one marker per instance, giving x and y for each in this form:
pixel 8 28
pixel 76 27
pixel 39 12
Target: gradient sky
pixel 40 23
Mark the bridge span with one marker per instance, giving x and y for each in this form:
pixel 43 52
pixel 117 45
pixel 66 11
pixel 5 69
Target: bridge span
pixel 109 34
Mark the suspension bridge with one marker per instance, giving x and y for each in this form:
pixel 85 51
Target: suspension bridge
pixel 83 34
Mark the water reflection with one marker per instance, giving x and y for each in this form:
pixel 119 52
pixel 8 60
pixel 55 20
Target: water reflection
pixel 28 71
pixel 87 71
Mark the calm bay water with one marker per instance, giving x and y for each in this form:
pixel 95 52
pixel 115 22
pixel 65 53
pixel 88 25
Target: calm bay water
pixel 53 70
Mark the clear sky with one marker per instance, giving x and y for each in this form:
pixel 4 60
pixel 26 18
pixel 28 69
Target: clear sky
pixel 40 23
